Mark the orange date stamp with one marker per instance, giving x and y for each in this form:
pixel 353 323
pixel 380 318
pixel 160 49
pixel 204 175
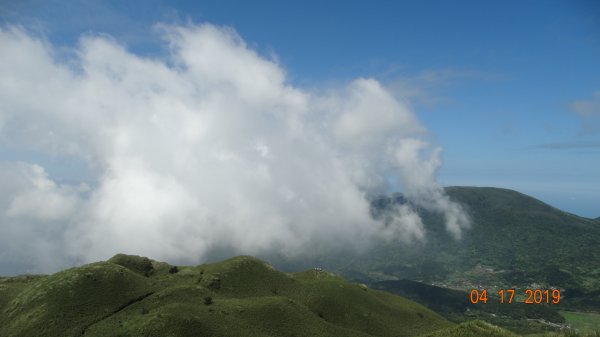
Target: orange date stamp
pixel 532 296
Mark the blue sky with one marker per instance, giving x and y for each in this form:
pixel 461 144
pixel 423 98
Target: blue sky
pixel 509 89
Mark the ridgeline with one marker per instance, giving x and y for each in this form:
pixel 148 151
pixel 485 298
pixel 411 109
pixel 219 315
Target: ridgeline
pixel 242 296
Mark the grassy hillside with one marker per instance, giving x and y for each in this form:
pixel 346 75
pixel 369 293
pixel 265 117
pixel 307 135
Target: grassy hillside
pixel 243 296
pixel 583 321
pixel 473 328
pixel 483 329
pixel 69 301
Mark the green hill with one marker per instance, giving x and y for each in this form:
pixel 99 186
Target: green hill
pixel 242 296
pixel 515 240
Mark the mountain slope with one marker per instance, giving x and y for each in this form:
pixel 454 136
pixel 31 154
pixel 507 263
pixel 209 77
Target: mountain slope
pixel 473 328
pixel 515 240
pixel 243 296
pixel 512 229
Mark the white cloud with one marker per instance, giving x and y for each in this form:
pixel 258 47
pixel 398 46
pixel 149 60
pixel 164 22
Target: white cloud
pixel 426 88
pixel 34 212
pixel 417 170
pixel 209 149
pixel 587 108
pixel 589 112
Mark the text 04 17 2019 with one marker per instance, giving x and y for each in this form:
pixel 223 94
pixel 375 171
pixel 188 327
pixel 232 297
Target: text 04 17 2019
pixel 532 296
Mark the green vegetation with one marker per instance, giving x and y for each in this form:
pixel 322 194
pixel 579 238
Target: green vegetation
pixel 67 302
pixel 515 240
pixel 242 296
pixel 483 329
pixel 473 328
pixel 587 322
pixel 568 333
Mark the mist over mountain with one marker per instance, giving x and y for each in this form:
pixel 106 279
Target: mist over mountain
pixel 515 241
pixel 509 230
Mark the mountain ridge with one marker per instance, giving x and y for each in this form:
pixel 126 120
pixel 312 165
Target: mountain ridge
pixel 517 193
pixel 242 296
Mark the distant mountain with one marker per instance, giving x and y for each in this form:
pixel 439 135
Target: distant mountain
pixel 515 240
pixel 242 296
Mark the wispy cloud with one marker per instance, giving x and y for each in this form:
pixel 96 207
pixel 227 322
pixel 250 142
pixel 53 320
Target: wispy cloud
pixel 423 88
pixel 448 76
pixel 569 145
pixel 587 108
pixel 589 112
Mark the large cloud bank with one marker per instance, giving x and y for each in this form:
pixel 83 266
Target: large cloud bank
pixel 208 148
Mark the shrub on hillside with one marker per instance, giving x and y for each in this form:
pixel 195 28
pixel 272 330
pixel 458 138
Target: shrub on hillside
pixel 139 264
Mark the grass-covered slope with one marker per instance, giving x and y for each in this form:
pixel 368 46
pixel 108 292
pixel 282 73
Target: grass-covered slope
pixel 472 328
pixel 65 303
pixel 243 296
pixel 478 328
